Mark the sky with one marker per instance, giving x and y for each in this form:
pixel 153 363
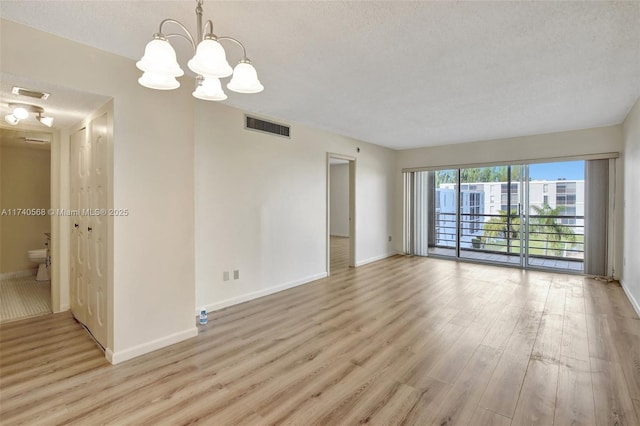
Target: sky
pixel 571 170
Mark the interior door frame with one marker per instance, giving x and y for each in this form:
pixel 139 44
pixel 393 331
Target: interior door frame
pixel 67 224
pixel 352 208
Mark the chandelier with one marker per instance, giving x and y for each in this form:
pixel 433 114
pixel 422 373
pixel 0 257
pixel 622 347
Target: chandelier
pixel 21 112
pixel 160 67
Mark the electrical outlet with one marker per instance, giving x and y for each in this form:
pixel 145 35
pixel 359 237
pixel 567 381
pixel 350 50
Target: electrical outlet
pixel 389 238
pixel 236 274
pixel 225 276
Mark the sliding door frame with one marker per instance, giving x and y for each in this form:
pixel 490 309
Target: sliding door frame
pixel 523 209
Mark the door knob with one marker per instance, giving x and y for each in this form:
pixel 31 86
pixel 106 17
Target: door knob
pixel 75 225
pixel 89 229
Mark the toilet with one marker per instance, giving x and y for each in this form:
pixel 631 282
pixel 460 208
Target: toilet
pixel 40 257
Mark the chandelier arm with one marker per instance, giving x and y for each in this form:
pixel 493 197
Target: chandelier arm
pixel 184 37
pixel 187 35
pixel 244 51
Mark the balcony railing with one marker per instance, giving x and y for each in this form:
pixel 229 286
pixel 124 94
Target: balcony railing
pixel 552 237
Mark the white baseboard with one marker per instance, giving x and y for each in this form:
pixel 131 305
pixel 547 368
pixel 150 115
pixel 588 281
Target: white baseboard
pixel 17 274
pixel 260 293
pixel 375 259
pixel 127 354
pixel 634 302
pixel 340 235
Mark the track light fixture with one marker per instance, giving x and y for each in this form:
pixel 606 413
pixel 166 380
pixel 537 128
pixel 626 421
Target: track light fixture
pixel 47 121
pixel 21 112
pixel 160 67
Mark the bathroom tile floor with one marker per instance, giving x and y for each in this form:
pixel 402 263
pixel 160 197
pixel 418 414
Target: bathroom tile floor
pixel 23 298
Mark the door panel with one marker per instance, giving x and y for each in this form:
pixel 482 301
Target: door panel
pixel 98 224
pixel 89 238
pixel 77 267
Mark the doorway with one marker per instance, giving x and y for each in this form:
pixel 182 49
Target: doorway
pixel 340 213
pixel 25 197
pixel 67 112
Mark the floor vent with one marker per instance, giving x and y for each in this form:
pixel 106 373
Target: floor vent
pixel 254 123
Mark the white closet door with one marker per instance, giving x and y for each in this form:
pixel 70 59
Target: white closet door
pixel 89 230
pixel 97 230
pixel 78 230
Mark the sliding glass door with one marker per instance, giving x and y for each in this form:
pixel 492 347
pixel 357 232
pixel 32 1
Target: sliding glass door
pixel 531 215
pixel 556 221
pixel 490 214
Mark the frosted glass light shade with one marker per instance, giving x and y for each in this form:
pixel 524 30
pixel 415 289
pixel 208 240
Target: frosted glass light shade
pixel 210 60
pixel 160 58
pixel 158 81
pixel 11 119
pixel 245 79
pixel 20 113
pixel 210 90
pixel 47 121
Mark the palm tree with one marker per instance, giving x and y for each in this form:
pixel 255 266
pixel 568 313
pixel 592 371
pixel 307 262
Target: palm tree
pixel 543 224
pixel 503 227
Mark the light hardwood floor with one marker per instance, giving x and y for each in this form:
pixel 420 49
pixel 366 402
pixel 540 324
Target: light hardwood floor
pixel 339 254
pixel 401 341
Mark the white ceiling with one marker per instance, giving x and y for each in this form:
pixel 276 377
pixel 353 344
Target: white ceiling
pixel 399 74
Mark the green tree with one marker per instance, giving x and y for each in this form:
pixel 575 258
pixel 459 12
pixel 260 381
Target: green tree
pixel 503 227
pixel 544 226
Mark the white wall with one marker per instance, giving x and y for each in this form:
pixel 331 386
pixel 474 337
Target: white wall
pixel 553 145
pixel 631 268
pixel 339 200
pixel 152 290
pixel 261 205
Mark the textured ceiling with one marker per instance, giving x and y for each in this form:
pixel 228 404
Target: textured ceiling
pixel 399 74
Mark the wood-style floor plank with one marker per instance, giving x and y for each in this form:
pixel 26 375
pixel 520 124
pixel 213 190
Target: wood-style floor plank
pixel 501 394
pixel 462 400
pixel 636 404
pixel 537 400
pixel 575 343
pixel 406 340
pixel 574 404
pixel 484 417
pixel 613 405
pixel 629 353
pixel 549 339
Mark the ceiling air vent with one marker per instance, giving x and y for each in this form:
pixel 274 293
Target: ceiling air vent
pixel 21 91
pixel 37 141
pixel 254 123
